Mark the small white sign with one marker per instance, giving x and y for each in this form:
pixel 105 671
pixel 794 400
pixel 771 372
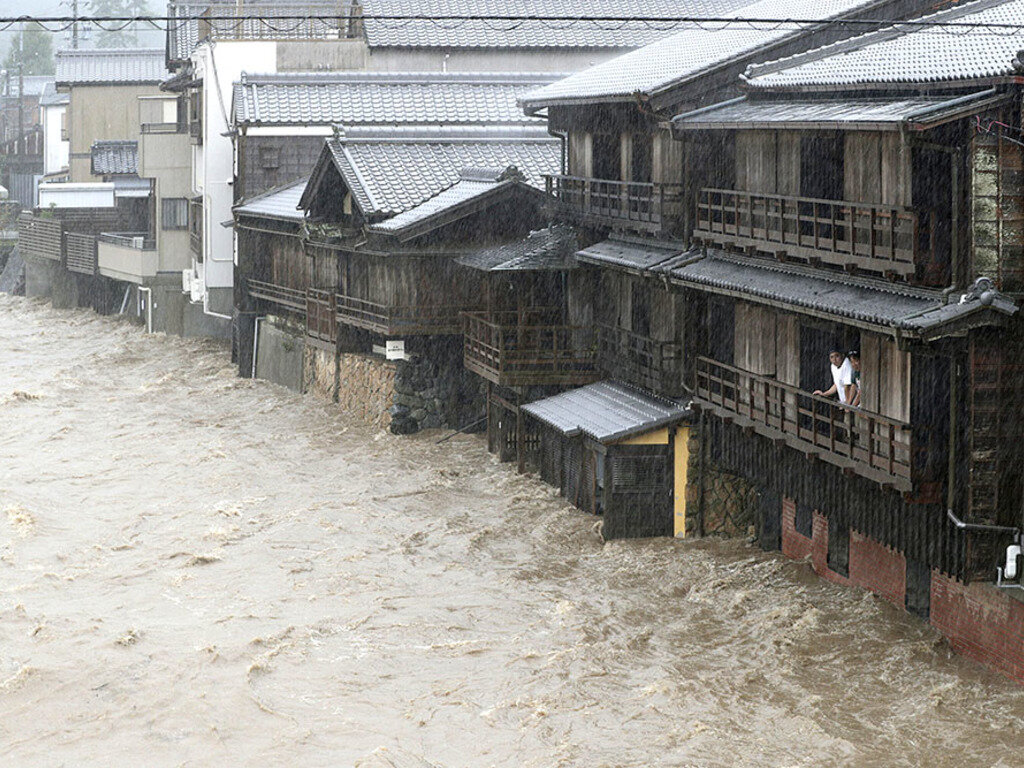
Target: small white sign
pixel 394 349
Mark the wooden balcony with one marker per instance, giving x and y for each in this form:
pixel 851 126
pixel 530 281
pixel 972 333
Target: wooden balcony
pixel 646 207
pixel 279 296
pixel 528 347
pixel 640 360
pixel 397 319
pixel 871 445
pixel 321 315
pixel 877 238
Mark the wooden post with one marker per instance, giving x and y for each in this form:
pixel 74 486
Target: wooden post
pixel 520 439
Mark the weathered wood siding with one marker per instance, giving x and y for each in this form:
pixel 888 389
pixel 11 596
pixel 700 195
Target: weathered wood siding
pixel 997 192
pixel 877 168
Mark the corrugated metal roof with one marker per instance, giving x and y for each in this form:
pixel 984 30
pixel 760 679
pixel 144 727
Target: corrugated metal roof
pixel 546 249
pixel 110 158
pixel 868 114
pixel 606 411
pixel 280 203
pixel 388 174
pixel 383 98
pixel 110 65
pixel 904 54
pixel 492 33
pixel 675 59
pixel 630 254
pixel 875 302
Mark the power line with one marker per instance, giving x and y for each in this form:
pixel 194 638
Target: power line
pixel 503 22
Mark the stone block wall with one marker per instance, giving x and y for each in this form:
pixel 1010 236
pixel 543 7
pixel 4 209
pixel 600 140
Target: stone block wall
pixel 433 389
pixel 365 387
pixel 730 501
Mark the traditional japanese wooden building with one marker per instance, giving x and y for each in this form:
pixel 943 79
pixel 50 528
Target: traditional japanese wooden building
pixel 387 214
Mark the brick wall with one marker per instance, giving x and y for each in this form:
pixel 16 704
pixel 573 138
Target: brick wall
pixel 981 622
pixel 872 566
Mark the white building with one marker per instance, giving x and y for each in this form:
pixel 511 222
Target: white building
pixel 53 107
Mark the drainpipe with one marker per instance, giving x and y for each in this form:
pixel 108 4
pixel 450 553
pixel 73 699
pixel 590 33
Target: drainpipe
pixel 255 343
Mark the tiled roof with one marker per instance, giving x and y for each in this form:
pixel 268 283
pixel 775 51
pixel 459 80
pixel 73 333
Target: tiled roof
pixel 431 32
pixel 388 174
pixel 280 203
pixel 673 60
pixel 35 85
pixel 864 114
pixel 51 98
pixel 494 33
pixel 912 310
pixel 382 98
pixel 909 55
pixel 111 158
pixel 546 249
pixel 110 65
pixel 606 411
pixel 628 253
pixel 473 186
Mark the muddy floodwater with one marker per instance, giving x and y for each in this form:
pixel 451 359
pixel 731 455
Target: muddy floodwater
pixel 200 570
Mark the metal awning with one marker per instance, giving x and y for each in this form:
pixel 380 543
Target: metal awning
pixel 132 186
pixel 916 113
pixel 607 411
pixel 631 254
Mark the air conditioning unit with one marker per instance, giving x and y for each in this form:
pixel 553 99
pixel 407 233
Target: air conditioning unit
pixel 138 243
pixel 186 281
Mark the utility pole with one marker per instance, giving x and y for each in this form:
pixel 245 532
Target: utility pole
pixel 21 88
pixel 74 24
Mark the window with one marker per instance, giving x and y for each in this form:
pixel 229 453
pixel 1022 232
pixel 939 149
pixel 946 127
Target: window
pixel 174 213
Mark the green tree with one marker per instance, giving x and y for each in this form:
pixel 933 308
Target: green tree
pixel 34 51
pixel 117 38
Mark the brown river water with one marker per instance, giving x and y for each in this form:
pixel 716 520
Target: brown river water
pixel 201 570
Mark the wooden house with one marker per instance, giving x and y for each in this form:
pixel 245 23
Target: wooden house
pixel 856 212
pixel 626 182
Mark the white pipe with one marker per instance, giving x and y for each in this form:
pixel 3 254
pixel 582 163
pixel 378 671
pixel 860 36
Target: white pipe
pixel 1012 553
pixel 149 307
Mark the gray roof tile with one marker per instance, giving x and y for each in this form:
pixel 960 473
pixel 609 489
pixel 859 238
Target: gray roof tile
pixel 50 97
pixel 382 98
pixel 110 158
pixel 864 300
pixel 628 253
pixel 606 411
pixel 280 203
pixel 908 55
pixel 388 174
pixel 687 53
pixel 546 249
pixel 110 65
pixel 494 33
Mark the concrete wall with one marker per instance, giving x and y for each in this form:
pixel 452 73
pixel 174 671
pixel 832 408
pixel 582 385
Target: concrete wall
pixel 279 355
pixel 165 157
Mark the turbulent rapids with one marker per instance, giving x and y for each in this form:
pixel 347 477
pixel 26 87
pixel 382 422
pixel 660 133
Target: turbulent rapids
pixel 199 570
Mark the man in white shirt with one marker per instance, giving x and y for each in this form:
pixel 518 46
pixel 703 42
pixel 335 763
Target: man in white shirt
pixel 842 377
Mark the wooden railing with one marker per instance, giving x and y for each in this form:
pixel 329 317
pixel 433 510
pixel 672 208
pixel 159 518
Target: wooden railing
pixel 40 237
pixel 650 207
pixel 640 360
pixel 870 444
pixel 81 253
pixel 877 238
pixel 526 347
pixel 321 315
pixel 397 319
pixel 287 298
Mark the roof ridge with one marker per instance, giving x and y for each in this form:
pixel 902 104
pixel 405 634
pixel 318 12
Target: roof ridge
pixel 858 42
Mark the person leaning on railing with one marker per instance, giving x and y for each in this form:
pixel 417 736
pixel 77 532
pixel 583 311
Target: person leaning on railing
pixel 842 378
